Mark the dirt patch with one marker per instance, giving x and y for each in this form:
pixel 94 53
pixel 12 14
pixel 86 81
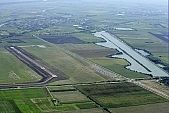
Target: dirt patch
pixel 95 53
pixel 61 39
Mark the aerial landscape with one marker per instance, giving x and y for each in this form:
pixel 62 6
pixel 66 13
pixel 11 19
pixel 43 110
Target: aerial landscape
pixel 84 56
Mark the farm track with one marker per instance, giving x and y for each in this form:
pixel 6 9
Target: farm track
pixel 39 67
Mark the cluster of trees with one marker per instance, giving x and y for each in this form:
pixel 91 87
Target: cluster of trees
pixel 165 81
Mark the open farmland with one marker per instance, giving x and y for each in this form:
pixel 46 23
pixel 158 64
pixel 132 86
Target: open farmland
pixel 9 106
pixel 149 108
pixel 89 50
pixel 161 36
pixel 39 100
pixel 60 39
pixel 93 110
pixel 99 55
pixel 70 96
pixel 87 37
pixel 19 101
pixel 119 95
pixel 95 53
pixel 118 66
pixel 77 71
pixel 56 36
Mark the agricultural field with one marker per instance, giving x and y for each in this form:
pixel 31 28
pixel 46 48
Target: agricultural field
pixel 89 38
pixel 70 96
pixel 119 95
pixel 99 55
pixel 19 100
pixel 76 74
pixel 61 39
pixel 60 35
pixel 149 108
pixel 77 71
pixel 89 50
pixel 143 40
pixel 118 66
pixel 93 110
pixel 67 94
pixel 40 100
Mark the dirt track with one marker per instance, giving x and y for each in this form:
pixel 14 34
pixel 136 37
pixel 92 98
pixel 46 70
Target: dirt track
pixel 47 73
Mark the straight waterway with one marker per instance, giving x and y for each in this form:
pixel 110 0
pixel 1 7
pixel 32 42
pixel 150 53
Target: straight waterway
pixel 137 61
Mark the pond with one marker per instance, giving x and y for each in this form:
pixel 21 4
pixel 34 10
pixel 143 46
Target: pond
pixel 142 52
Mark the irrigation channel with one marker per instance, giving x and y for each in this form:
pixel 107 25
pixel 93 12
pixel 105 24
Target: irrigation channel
pixel 138 62
pixel 46 72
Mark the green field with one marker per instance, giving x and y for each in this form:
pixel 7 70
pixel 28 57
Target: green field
pixel 29 100
pixel 149 108
pixel 87 37
pixel 118 66
pixel 119 95
pixel 84 90
pixel 76 70
pixel 12 70
pixel 143 40
pixel 97 54
pixel 93 110
pixel 9 106
pixel 19 100
pixel 69 96
pixel 39 100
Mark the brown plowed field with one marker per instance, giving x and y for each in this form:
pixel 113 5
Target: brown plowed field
pixel 95 53
pixel 61 39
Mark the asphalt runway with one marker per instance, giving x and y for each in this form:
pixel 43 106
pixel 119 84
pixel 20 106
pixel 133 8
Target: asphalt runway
pixel 48 74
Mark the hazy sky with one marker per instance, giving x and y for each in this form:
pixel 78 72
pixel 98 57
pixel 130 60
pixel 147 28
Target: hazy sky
pixel 123 2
